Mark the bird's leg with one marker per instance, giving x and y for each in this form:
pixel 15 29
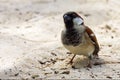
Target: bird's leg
pixel 95 53
pixel 90 61
pixel 89 64
pixel 95 56
pixel 71 61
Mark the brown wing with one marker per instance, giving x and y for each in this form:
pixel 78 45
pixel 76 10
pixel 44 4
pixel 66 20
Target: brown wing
pixel 94 39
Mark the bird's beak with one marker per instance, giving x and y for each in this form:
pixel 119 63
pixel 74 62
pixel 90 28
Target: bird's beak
pixel 66 18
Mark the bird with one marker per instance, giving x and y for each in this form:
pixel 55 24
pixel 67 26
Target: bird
pixel 78 38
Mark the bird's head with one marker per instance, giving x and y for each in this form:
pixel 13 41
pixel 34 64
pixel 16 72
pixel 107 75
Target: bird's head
pixel 71 19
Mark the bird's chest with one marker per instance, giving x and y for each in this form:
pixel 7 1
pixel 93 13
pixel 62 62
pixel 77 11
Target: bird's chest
pixel 73 38
pixel 84 48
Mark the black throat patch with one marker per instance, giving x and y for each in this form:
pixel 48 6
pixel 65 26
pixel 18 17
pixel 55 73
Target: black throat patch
pixel 72 37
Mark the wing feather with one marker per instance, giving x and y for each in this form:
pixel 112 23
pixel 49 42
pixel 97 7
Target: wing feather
pixel 94 40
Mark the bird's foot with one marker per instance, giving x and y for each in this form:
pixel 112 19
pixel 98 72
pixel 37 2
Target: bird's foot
pixel 89 65
pixel 90 61
pixel 95 57
pixel 70 62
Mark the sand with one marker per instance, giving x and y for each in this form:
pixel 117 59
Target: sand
pixel 30 44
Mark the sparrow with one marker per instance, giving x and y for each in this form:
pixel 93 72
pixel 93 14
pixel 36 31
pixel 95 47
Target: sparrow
pixel 78 38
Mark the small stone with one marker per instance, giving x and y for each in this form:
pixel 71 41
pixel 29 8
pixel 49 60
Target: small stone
pixel 69 53
pixel 109 77
pixel 86 15
pixel 109 45
pixel 16 74
pixel 41 62
pixel 73 67
pixel 97 63
pixel 112 37
pixel 56 72
pixel 107 27
pixel 63 68
pixel 48 73
pixel 53 54
pixel 34 76
pixel 63 77
pixel 92 76
pixel 65 72
pixel 53 61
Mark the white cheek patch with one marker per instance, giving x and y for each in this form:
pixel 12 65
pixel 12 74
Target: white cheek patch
pixel 78 21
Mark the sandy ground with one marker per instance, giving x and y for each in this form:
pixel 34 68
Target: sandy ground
pixel 30 46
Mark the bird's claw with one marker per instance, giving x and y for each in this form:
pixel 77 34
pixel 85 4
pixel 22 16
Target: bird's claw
pixel 70 62
pixel 95 56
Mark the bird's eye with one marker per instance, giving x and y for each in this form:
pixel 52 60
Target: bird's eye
pixel 74 14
